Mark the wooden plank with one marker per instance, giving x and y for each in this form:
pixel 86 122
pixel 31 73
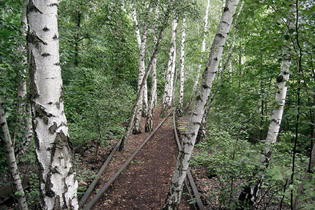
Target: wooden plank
pixel 122 168
pixel 189 176
pixel 98 176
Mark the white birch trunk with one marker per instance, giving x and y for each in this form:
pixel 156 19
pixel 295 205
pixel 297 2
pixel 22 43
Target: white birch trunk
pixel 154 78
pixel 182 164
pixel 274 127
pixel 24 107
pixel 154 84
pixel 168 89
pixel 53 148
pixel 226 62
pixel 153 98
pixel 277 113
pixel 250 194
pixel 143 103
pixel 136 128
pixel 135 22
pixel 147 71
pixel 182 68
pixel 203 48
pixel 12 161
pixel 172 82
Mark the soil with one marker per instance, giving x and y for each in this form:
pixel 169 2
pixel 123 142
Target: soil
pixel 145 183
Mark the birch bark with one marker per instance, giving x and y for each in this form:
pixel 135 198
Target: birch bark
pixel 169 79
pixel 182 164
pixel 153 98
pixel 277 113
pixel 226 63
pixel 12 161
pixel 58 187
pixel 136 128
pixel 147 71
pixel 143 103
pixel 154 79
pixel 203 48
pixel 182 69
pixel 249 194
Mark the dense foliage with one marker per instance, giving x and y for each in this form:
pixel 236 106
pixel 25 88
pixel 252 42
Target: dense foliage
pixel 99 59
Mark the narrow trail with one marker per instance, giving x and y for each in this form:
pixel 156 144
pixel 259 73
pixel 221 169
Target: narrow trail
pixel 145 183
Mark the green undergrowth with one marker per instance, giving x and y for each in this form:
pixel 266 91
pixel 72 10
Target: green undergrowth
pixel 233 162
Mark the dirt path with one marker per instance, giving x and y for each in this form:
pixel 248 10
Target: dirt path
pixel 145 183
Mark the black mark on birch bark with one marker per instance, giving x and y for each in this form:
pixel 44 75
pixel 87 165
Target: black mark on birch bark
pixel 45 29
pixel 34 39
pixel 31 7
pixel 45 54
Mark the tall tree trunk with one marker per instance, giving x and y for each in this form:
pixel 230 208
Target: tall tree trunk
pixel 203 48
pixel 250 193
pixel 182 164
pixel 58 187
pixel 147 71
pixel 12 161
pixel 136 128
pixel 23 105
pixel 143 103
pixel 169 79
pixel 154 78
pixel 182 68
pixel 202 129
pixel 153 97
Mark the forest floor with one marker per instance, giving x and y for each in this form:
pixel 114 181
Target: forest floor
pixel 145 183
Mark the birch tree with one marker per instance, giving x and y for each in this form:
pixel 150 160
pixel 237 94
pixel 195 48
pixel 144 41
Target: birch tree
pixel 153 98
pixel 58 187
pixel 143 103
pixel 250 193
pixel 154 78
pixel 203 48
pixel 147 71
pixel 224 67
pixel 182 164
pixel 169 79
pixel 12 161
pixel 182 68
